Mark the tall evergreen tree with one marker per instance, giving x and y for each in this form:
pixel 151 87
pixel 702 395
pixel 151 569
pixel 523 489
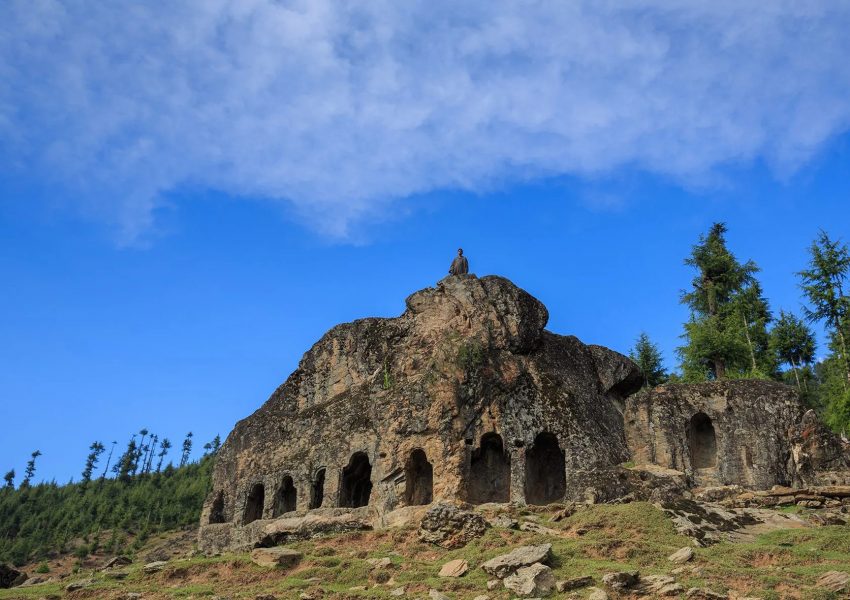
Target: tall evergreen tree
pixel 149 460
pixel 9 478
pixel 754 312
pixel 647 356
pixel 108 460
pixel 793 343
pixel 728 314
pixel 164 448
pixel 823 286
pixel 96 449
pixel 29 473
pixel 187 449
pixel 126 464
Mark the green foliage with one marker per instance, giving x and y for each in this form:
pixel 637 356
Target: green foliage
pixel 793 343
pixel 727 333
pixel 37 519
pixel 646 355
pixel 470 355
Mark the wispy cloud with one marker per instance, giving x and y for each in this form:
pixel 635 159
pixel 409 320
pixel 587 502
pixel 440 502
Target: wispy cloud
pixel 342 109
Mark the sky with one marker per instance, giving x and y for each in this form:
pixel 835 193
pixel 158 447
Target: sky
pixel 191 194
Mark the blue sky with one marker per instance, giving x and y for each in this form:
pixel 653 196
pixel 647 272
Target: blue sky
pixel 193 194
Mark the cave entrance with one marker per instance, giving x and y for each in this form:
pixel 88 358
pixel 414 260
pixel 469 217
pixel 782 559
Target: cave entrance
pixel 489 472
pixel 419 479
pixel 317 490
pixel 254 504
pixel 703 442
pixel 356 482
pixel 217 509
pixel 287 497
pixel 545 471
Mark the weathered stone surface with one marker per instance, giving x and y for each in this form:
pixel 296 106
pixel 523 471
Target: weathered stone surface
pixel 454 568
pixel 597 594
pixel 275 557
pixel 450 527
pixel 574 584
pixel 819 456
pixel 155 566
pixel 493 584
pixel 10 576
pixel 621 580
pixel 117 561
pixel 524 556
pixel 437 595
pixel 36 580
pixel 380 563
pixel 682 555
pixel 468 359
pixel 704 594
pixel 834 581
pixel 79 584
pixel 535 580
pixel 656 586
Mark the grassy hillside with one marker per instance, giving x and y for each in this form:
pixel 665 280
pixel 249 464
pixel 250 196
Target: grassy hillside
pixel 48 519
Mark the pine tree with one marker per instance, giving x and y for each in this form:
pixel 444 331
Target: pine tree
pixel 91 460
pixel 149 461
pixel 126 464
pixel 727 312
pixel 165 447
pixel 216 444
pixel 140 450
pixel 9 478
pixel 29 473
pixel 754 312
pixel 823 286
pixel 187 449
pixel 793 343
pixel 647 356
pixel 108 460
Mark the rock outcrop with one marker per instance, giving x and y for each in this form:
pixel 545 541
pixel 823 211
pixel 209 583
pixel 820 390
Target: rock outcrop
pixel 464 397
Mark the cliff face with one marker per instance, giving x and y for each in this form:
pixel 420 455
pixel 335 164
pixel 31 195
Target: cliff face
pixel 465 396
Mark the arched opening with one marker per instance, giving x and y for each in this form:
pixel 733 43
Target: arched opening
pixel 254 504
pixel 489 472
pixel 287 497
pixel 217 509
pixel 356 482
pixel 317 490
pixel 545 471
pixel 702 441
pixel 418 478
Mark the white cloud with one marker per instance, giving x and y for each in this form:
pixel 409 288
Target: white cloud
pixel 342 109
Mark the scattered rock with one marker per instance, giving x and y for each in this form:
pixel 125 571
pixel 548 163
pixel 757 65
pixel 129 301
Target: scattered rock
pixel 620 581
pixel 10 576
pixel 504 522
pixel 574 583
pixel 119 575
pixel 597 594
pixel 275 557
pixel 535 580
pixel 834 581
pixel 538 528
pixel 492 584
pixel 454 568
pixel 524 556
pixel 450 527
pixel 435 595
pixel 564 513
pixel 155 567
pixel 35 580
pixel 116 561
pixel 657 585
pixel 380 563
pixel 682 555
pixel 79 584
pixel 158 555
pixel 397 592
pixel 704 594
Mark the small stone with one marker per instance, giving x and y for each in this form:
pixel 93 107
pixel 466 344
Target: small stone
pixel 380 563
pixel 682 555
pixel 435 595
pixel 119 575
pixel 155 566
pixel 116 561
pixel 620 581
pixel 704 594
pixel 597 594
pixel 454 568
pixel 397 592
pixel 534 580
pixel 574 583
pixel 275 557
pixel 524 556
pixel 492 584
pixel 657 585
pixel 834 581
pixel 504 522
pixel 78 585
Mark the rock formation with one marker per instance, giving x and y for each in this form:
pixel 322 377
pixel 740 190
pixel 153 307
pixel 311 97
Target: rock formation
pixel 466 397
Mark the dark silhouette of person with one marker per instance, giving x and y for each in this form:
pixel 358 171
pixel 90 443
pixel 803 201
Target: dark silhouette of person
pixel 460 266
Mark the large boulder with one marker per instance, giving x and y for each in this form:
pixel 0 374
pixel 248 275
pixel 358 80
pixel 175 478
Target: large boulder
pixel 502 566
pixel 275 557
pixel 451 527
pixel 10 576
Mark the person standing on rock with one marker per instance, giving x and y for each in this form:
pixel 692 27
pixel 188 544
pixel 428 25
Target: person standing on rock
pixel 460 266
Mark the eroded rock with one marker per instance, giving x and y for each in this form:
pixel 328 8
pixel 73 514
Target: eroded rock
pixel 454 568
pixel 524 556
pixel 450 527
pixel 534 580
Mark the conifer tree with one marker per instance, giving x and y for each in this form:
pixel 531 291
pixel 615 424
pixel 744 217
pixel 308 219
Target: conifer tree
pixel 108 460
pixel 187 449
pixel 96 449
pixel 126 464
pixel 794 343
pixel 149 461
pixel 727 312
pixel 9 478
pixel 165 447
pixel 647 356
pixel 29 473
